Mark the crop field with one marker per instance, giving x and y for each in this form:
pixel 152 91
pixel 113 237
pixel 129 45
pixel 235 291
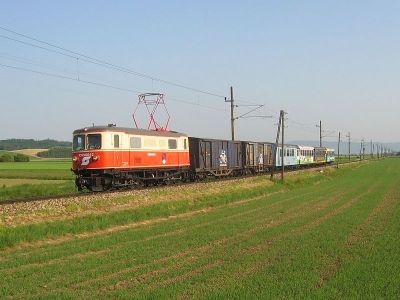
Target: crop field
pixel 324 234
pixel 41 169
pixel 35 178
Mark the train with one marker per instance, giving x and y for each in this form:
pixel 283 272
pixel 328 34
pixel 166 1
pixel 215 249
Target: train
pixel 110 157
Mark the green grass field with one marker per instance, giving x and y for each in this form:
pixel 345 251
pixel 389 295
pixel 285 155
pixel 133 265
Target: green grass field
pixel 57 173
pixel 319 235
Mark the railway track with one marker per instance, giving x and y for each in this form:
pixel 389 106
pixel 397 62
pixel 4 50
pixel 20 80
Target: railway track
pixel 85 194
pixel 41 198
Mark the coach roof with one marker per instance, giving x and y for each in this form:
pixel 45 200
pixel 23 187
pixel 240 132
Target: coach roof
pixel 135 131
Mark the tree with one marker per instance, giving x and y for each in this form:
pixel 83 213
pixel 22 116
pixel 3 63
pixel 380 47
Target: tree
pixel 21 158
pixel 6 158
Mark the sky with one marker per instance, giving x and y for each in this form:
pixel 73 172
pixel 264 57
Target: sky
pixel 334 61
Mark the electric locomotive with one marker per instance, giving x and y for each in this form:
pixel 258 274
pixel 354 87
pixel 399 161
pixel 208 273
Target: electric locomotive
pixel 105 157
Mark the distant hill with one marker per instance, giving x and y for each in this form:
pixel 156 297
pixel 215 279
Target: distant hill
pixel 344 146
pixel 18 144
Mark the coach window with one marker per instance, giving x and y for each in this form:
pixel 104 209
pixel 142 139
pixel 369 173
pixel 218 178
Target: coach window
pixel 136 142
pixel 93 141
pixel 116 141
pixel 79 142
pixel 172 144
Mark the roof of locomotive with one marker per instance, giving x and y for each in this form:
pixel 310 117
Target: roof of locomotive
pixel 128 130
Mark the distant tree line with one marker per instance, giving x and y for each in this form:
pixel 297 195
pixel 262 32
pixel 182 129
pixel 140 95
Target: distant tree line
pixel 18 144
pixel 7 157
pixel 56 152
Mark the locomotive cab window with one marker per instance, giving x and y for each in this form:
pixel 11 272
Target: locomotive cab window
pixel 93 141
pixel 79 142
pixel 172 144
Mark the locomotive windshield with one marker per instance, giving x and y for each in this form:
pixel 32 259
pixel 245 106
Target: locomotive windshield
pixel 79 142
pixel 94 141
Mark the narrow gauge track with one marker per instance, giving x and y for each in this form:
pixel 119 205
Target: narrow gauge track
pixel 84 194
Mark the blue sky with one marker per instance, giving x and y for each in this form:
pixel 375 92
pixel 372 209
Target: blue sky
pixel 337 61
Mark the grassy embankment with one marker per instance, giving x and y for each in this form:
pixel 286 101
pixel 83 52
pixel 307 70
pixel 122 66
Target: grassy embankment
pixel 327 235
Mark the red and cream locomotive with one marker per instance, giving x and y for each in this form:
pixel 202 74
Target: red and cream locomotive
pixel 105 157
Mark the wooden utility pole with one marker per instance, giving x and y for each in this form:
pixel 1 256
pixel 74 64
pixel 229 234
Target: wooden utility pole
pixel 276 146
pixel 320 132
pixel 372 150
pixel 361 147
pixel 232 117
pixel 338 151
pixel 348 135
pixel 283 145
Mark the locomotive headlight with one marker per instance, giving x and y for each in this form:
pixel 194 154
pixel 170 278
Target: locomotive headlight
pixel 95 157
pixel 74 159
